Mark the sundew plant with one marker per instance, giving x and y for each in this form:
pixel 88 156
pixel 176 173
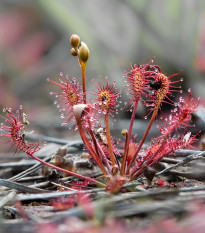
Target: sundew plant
pixel 91 113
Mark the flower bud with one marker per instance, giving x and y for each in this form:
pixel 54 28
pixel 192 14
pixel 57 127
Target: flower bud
pixel 73 52
pixel 84 52
pixel 74 41
pixel 124 132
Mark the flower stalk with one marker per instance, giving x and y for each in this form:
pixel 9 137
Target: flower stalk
pixel 83 69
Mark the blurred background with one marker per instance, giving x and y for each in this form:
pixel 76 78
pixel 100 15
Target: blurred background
pixel 34 45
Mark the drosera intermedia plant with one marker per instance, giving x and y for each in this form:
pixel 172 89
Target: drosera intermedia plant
pixel 146 84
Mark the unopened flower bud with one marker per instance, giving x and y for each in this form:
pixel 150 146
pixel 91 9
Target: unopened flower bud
pixel 124 132
pixel 73 52
pixel 75 41
pixel 84 52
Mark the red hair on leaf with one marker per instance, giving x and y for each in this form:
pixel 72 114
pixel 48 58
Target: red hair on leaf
pixel 70 95
pixel 14 132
